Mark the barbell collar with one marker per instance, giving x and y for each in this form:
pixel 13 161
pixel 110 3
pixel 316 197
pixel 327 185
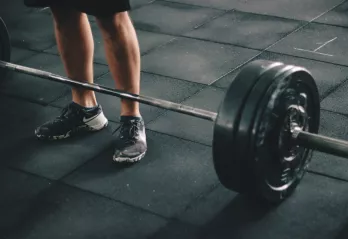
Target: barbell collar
pixel 320 143
pixel 168 105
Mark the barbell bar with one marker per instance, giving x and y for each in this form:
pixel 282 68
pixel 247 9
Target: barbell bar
pixel 184 109
pixel 265 130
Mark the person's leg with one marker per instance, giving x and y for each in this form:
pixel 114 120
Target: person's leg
pixel 76 47
pixel 75 44
pixel 123 56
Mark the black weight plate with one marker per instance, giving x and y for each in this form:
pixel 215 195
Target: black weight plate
pixel 226 162
pixel 245 134
pixel 275 176
pixel 5 48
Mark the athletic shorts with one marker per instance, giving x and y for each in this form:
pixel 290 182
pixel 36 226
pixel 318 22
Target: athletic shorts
pixel 98 8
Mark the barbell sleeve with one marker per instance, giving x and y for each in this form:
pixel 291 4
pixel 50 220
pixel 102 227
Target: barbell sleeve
pixel 184 109
pixel 321 143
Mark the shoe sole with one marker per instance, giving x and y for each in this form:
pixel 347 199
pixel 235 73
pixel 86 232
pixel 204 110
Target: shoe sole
pixel 69 134
pixel 96 124
pixel 127 159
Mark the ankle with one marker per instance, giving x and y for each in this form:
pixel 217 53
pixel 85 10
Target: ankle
pixel 86 103
pixel 131 114
pixel 85 100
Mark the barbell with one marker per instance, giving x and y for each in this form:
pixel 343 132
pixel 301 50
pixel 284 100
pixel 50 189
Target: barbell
pixel 265 130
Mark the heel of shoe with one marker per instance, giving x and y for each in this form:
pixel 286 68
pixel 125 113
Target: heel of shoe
pixel 98 123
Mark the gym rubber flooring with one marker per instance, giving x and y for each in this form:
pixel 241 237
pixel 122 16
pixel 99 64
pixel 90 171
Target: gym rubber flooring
pixel 191 51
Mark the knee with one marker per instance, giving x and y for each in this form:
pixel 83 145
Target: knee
pixel 113 25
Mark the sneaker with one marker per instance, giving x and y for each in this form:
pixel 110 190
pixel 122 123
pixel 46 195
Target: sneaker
pixel 73 119
pixel 131 143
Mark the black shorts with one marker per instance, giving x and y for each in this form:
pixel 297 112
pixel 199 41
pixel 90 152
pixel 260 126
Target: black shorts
pixel 98 8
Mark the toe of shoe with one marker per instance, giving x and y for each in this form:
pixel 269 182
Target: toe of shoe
pixel 40 131
pixel 120 156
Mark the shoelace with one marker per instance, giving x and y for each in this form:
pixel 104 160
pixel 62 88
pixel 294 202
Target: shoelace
pixel 65 113
pixel 129 131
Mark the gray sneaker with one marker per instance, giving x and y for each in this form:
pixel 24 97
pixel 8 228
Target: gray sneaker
pixel 131 143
